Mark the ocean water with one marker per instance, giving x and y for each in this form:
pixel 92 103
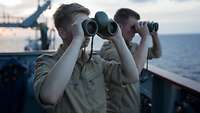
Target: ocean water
pixel 180 53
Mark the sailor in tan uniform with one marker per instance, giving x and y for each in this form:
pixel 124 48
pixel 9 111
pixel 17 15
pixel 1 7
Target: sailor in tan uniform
pixel 65 82
pixel 126 98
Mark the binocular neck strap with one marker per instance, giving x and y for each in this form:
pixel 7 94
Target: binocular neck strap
pixel 91 51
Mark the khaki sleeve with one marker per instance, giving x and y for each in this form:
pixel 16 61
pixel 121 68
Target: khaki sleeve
pixel 41 71
pixel 113 72
pixel 134 47
pixel 108 52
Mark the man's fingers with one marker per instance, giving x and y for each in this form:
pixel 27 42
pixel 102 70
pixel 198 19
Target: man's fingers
pixel 141 24
pixel 145 23
pixel 137 27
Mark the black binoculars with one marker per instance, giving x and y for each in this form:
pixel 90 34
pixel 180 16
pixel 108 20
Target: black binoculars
pixel 100 25
pixel 153 26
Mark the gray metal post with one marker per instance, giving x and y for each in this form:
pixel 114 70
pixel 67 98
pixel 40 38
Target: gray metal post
pixel 163 97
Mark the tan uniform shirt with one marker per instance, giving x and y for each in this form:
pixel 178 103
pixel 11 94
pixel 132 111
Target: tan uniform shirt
pixel 123 99
pixel 85 92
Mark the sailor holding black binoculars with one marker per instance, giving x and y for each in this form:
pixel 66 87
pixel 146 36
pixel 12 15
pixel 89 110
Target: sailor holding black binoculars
pixel 66 81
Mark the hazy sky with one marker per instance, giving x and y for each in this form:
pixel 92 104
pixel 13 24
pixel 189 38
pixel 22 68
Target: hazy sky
pixel 174 16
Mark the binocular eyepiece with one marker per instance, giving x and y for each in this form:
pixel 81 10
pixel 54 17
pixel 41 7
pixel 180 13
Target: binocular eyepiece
pixel 153 26
pixel 100 25
pixel 90 27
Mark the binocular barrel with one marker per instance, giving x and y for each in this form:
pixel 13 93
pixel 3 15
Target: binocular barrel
pixel 90 27
pixel 103 26
pixel 153 26
pixel 107 27
pixel 100 25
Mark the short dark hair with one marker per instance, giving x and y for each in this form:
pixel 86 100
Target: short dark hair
pixel 124 13
pixel 64 14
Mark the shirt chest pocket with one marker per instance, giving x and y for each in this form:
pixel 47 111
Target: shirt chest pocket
pixel 94 83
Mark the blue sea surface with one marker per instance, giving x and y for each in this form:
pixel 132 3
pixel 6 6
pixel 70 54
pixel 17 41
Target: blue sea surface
pixel 181 55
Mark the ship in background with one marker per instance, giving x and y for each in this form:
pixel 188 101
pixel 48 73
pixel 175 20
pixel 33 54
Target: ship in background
pixel 43 43
pixel 161 91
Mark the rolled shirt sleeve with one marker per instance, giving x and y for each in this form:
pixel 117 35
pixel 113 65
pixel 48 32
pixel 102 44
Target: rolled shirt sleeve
pixel 109 52
pixel 113 72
